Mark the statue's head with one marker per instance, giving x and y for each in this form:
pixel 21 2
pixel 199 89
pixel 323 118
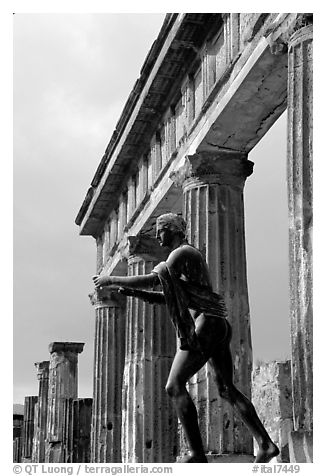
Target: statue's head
pixel 174 224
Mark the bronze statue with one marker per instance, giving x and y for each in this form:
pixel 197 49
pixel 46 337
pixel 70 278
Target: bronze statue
pixel 199 316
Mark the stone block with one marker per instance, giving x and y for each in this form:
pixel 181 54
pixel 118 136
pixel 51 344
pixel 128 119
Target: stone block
pixel 301 446
pixel 272 398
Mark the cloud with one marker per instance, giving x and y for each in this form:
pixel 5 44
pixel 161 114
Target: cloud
pixel 72 76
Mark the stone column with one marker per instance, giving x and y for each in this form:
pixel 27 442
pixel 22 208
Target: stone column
pixel 38 455
pixel 213 208
pixel 63 385
pixel 17 449
pixel 300 236
pixel 82 416
pixel 18 421
pixel 149 430
pixel 28 428
pixel 109 352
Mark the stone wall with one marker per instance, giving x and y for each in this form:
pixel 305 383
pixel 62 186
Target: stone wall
pixel 272 398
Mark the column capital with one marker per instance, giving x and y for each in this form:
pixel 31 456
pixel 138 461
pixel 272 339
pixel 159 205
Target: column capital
pixel 145 247
pixel 42 369
pixel 302 34
pixel 74 347
pixel 216 167
pixel 280 33
pixel 106 297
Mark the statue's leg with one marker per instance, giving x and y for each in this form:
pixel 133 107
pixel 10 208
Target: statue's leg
pixel 186 363
pixel 222 364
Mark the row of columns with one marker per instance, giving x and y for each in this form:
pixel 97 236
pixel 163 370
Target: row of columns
pixel 213 208
pixel 134 347
pixel 56 424
pixel 133 383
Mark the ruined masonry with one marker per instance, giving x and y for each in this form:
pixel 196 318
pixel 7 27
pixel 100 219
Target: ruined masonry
pixel 61 393
pixel 28 428
pixel 56 424
pixel 38 454
pixel 211 86
pixel 272 397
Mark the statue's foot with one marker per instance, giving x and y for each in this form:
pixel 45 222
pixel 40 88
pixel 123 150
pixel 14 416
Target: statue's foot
pixel 264 455
pixel 194 459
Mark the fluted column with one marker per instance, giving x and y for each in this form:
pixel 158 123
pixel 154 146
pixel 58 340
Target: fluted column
pixel 67 431
pixel 18 421
pixel 109 352
pixel 17 449
pixel 300 116
pixel 213 208
pixel 28 428
pixel 63 386
pixel 82 416
pixel 38 455
pixel 149 421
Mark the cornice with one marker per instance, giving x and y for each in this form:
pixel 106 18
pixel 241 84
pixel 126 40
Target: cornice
pixel 74 347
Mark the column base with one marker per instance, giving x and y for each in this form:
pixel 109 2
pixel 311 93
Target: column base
pixel 230 458
pixel 226 458
pixel 301 446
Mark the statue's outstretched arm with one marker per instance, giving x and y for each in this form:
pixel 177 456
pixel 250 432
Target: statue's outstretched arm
pixel 143 281
pixel 152 297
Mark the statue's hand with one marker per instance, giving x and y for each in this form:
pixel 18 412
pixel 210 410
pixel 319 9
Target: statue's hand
pixel 100 281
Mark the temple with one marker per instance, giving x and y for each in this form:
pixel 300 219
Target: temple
pixel 210 88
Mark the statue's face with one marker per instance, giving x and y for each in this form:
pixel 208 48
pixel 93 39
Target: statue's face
pixel 165 236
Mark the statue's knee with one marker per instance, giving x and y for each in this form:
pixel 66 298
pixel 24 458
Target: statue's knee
pixel 169 389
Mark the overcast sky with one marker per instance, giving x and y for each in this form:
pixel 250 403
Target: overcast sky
pixel 72 76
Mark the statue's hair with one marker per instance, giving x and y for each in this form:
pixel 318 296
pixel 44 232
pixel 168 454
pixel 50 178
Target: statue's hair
pixel 172 222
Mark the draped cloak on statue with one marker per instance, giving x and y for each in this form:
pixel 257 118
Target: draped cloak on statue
pixel 181 295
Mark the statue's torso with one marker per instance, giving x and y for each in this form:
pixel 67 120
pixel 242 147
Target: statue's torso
pixel 188 264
